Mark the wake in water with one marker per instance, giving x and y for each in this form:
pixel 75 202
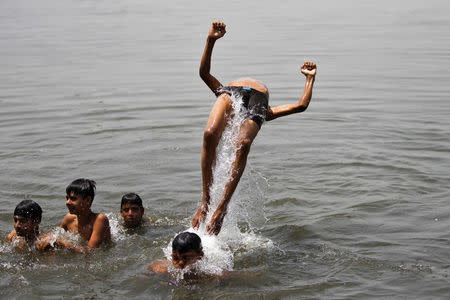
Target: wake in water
pixel 245 209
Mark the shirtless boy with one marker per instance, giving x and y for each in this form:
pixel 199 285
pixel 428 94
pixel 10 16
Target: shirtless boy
pixel 92 227
pixel 27 217
pixel 186 250
pixel 257 110
pixel 132 211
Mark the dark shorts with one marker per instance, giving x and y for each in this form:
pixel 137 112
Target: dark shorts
pixel 254 102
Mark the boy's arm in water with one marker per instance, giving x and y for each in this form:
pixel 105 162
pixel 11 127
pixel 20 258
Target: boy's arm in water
pixel 159 266
pixel 42 242
pixel 309 70
pixel 216 31
pixel 70 246
pixel 45 242
pixel 65 224
pixel 19 242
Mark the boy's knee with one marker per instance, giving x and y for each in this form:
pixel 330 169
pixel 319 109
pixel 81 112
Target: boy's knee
pixel 210 135
pixel 244 145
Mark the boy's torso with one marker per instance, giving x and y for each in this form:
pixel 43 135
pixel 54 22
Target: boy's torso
pixel 84 230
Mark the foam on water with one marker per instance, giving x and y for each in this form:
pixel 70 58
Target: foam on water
pixel 244 210
pixel 118 232
pixel 66 236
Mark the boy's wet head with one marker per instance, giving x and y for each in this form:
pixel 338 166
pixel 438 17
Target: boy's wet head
pixel 131 210
pixel 80 194
pixel 82 187
pixel 27 216
pixel 186 249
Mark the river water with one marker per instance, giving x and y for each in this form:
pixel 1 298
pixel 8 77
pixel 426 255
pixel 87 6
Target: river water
pixel 348 200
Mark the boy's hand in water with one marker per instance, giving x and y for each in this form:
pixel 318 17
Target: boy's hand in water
pixel 199 217
pixel 309 69
pixel 44 242
pixel 217 30
pixel 215 224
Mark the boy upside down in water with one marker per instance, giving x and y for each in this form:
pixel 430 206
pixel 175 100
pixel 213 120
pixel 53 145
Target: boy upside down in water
pixel 255 97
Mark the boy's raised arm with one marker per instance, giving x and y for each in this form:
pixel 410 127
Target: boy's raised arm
pixel 309 70
pixel 216 31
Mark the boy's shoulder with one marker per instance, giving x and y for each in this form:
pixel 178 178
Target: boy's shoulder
pixel 45 242
pixel 101 218
pixel 68 219
pixel 101 231
pixel 147 222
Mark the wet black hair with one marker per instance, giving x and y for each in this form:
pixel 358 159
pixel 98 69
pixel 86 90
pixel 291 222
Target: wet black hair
pixel 131 198
pixel 29 209
pixel 187 241
pixel 82 187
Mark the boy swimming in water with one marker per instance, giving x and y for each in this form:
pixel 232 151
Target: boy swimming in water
pixel 27 217
pixel 132 211
pixel 92 227
pixel 255 96
pixel 186 250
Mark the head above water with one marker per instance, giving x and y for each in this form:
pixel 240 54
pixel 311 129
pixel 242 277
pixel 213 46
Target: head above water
pixel 27 216
pixel 29 210
pixel 82 187
pixel 186 249
pixel 131 198
pixel 131 210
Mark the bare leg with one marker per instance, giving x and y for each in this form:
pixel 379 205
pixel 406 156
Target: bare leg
pixel 217 121
pixel 247 134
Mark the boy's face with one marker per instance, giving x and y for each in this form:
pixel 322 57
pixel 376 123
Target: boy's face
pixel 25 226
pixel 181 260
pixel 132 214
pixel 76 204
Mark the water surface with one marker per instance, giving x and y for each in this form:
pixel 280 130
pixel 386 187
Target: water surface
pixel 345 201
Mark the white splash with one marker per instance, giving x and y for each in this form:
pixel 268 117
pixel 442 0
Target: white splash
pixel 118 232
pixel 245 207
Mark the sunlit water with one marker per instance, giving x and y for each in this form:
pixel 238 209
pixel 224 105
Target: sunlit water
pixel 348 200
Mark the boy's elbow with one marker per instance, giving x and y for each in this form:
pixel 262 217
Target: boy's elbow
pixel 301 108
pixel 203 74
pixel 270 117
